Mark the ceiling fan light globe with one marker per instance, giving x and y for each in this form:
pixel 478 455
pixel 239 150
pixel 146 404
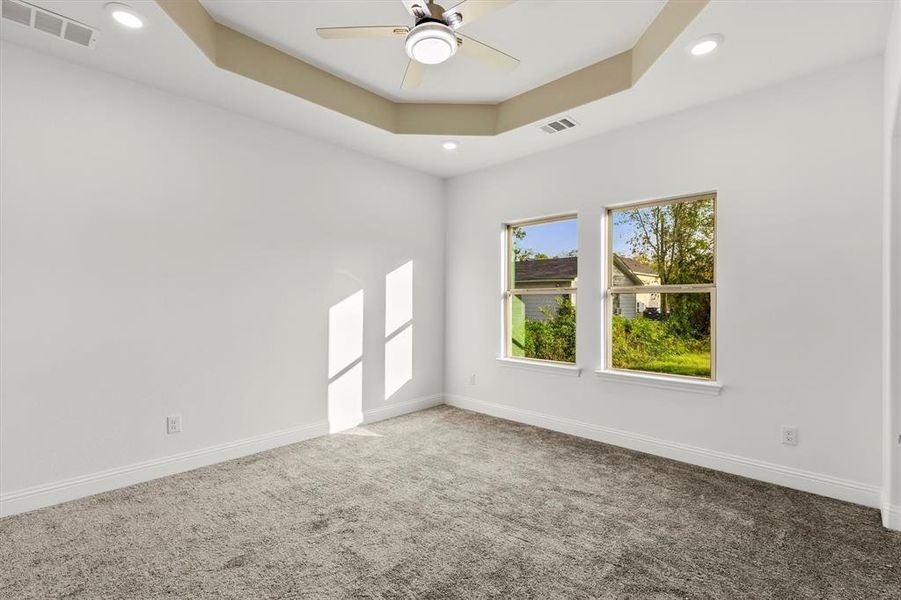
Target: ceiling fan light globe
pixel 431 43
pixel 431 51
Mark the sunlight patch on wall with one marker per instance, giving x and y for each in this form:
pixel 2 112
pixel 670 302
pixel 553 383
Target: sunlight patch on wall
pixel 345 399
pixel 345 363
pixel 398 297
pixel 398 361
pixel 398 328
pixel 345 333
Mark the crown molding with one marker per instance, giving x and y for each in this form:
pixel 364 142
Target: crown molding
pixel 243 55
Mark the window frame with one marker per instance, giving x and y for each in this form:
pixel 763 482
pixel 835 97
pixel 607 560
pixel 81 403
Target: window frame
pixel 509 292
pixel 610 289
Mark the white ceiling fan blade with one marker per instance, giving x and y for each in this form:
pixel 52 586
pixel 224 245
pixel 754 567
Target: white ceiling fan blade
pixel 473 10
pixel 485 54
pixel 413 75
pixel 341 33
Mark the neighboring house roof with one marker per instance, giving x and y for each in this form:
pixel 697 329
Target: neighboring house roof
pixel 547 269
pixel 636 266
pixel 566 269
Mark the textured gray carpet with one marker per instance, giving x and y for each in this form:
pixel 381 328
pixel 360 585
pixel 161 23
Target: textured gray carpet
pixel 450 504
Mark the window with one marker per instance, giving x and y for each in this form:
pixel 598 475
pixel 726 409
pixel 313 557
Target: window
pixel 661 294
pixel 540 295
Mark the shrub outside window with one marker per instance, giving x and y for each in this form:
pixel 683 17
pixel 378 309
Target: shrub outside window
pixel 540 290
pixel 661 294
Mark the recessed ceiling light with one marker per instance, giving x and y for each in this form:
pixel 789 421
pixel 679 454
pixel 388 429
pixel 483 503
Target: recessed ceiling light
pixel 705 45
pixel 449 145
pixel 431 43
pixel 125 15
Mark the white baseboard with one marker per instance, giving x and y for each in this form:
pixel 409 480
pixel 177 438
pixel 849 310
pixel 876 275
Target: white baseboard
pixel 816 483
pixel 39 496
pixel 78 487
pixel 891 517
pixel 102 481
pixel 401 408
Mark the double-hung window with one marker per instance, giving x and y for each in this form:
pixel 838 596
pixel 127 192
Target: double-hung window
pixel 661 287
pixel 540 289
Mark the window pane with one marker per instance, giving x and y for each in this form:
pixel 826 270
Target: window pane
pixel 664 245
pixel 662 333
pixel 543 326
pixel 544 255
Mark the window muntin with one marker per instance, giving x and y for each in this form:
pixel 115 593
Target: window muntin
pixel 540 290
pixel 661 294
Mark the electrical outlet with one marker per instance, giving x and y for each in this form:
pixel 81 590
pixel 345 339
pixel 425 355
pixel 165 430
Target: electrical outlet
pixel 173 424
pixel 789 435
pixel 472 379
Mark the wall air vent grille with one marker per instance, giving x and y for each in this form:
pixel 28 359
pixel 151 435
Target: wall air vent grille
pixel 48 22
pixel 79 34
pixel 14 11
pixel 561 124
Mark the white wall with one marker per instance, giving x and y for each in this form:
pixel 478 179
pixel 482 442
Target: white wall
pixel 162 256
pixel 153 263
pixel 892 276
pixel 797 169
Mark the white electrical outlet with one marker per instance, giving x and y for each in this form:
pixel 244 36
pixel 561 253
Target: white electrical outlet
pixel 472 379
pixel 173 424
pixel 789 435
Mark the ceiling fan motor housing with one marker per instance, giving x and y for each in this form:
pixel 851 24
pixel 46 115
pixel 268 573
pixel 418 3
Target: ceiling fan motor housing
pixel 427 10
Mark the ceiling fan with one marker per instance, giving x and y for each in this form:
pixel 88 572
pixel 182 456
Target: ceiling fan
pixel 434 38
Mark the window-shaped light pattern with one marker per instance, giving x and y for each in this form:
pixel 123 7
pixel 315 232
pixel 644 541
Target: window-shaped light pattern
pixel 398 328
pixel 345 363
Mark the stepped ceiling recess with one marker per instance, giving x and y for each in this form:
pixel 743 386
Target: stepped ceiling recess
pixel 240 53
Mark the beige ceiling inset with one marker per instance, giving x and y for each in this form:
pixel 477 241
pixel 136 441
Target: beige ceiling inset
pixel 241 54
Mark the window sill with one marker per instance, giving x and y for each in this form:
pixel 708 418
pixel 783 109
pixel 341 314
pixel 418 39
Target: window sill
pixel 678 384
pixel 544 367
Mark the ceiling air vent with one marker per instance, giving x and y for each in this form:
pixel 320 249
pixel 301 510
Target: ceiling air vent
pixel 56 25
pixel 561 124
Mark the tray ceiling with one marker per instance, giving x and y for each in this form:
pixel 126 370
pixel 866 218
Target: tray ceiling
pixel 551 38
pixel 245 55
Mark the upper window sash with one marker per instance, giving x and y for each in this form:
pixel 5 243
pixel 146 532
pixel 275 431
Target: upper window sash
pixel 510 255
pixel 611 261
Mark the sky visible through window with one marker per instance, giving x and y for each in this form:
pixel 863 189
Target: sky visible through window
pixel 558 238
pixel 621 235
pixel 553 239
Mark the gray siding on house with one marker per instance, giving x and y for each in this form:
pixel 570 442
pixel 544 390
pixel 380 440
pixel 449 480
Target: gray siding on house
pixel 619 278
pixel 627 307
pixel 532 303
